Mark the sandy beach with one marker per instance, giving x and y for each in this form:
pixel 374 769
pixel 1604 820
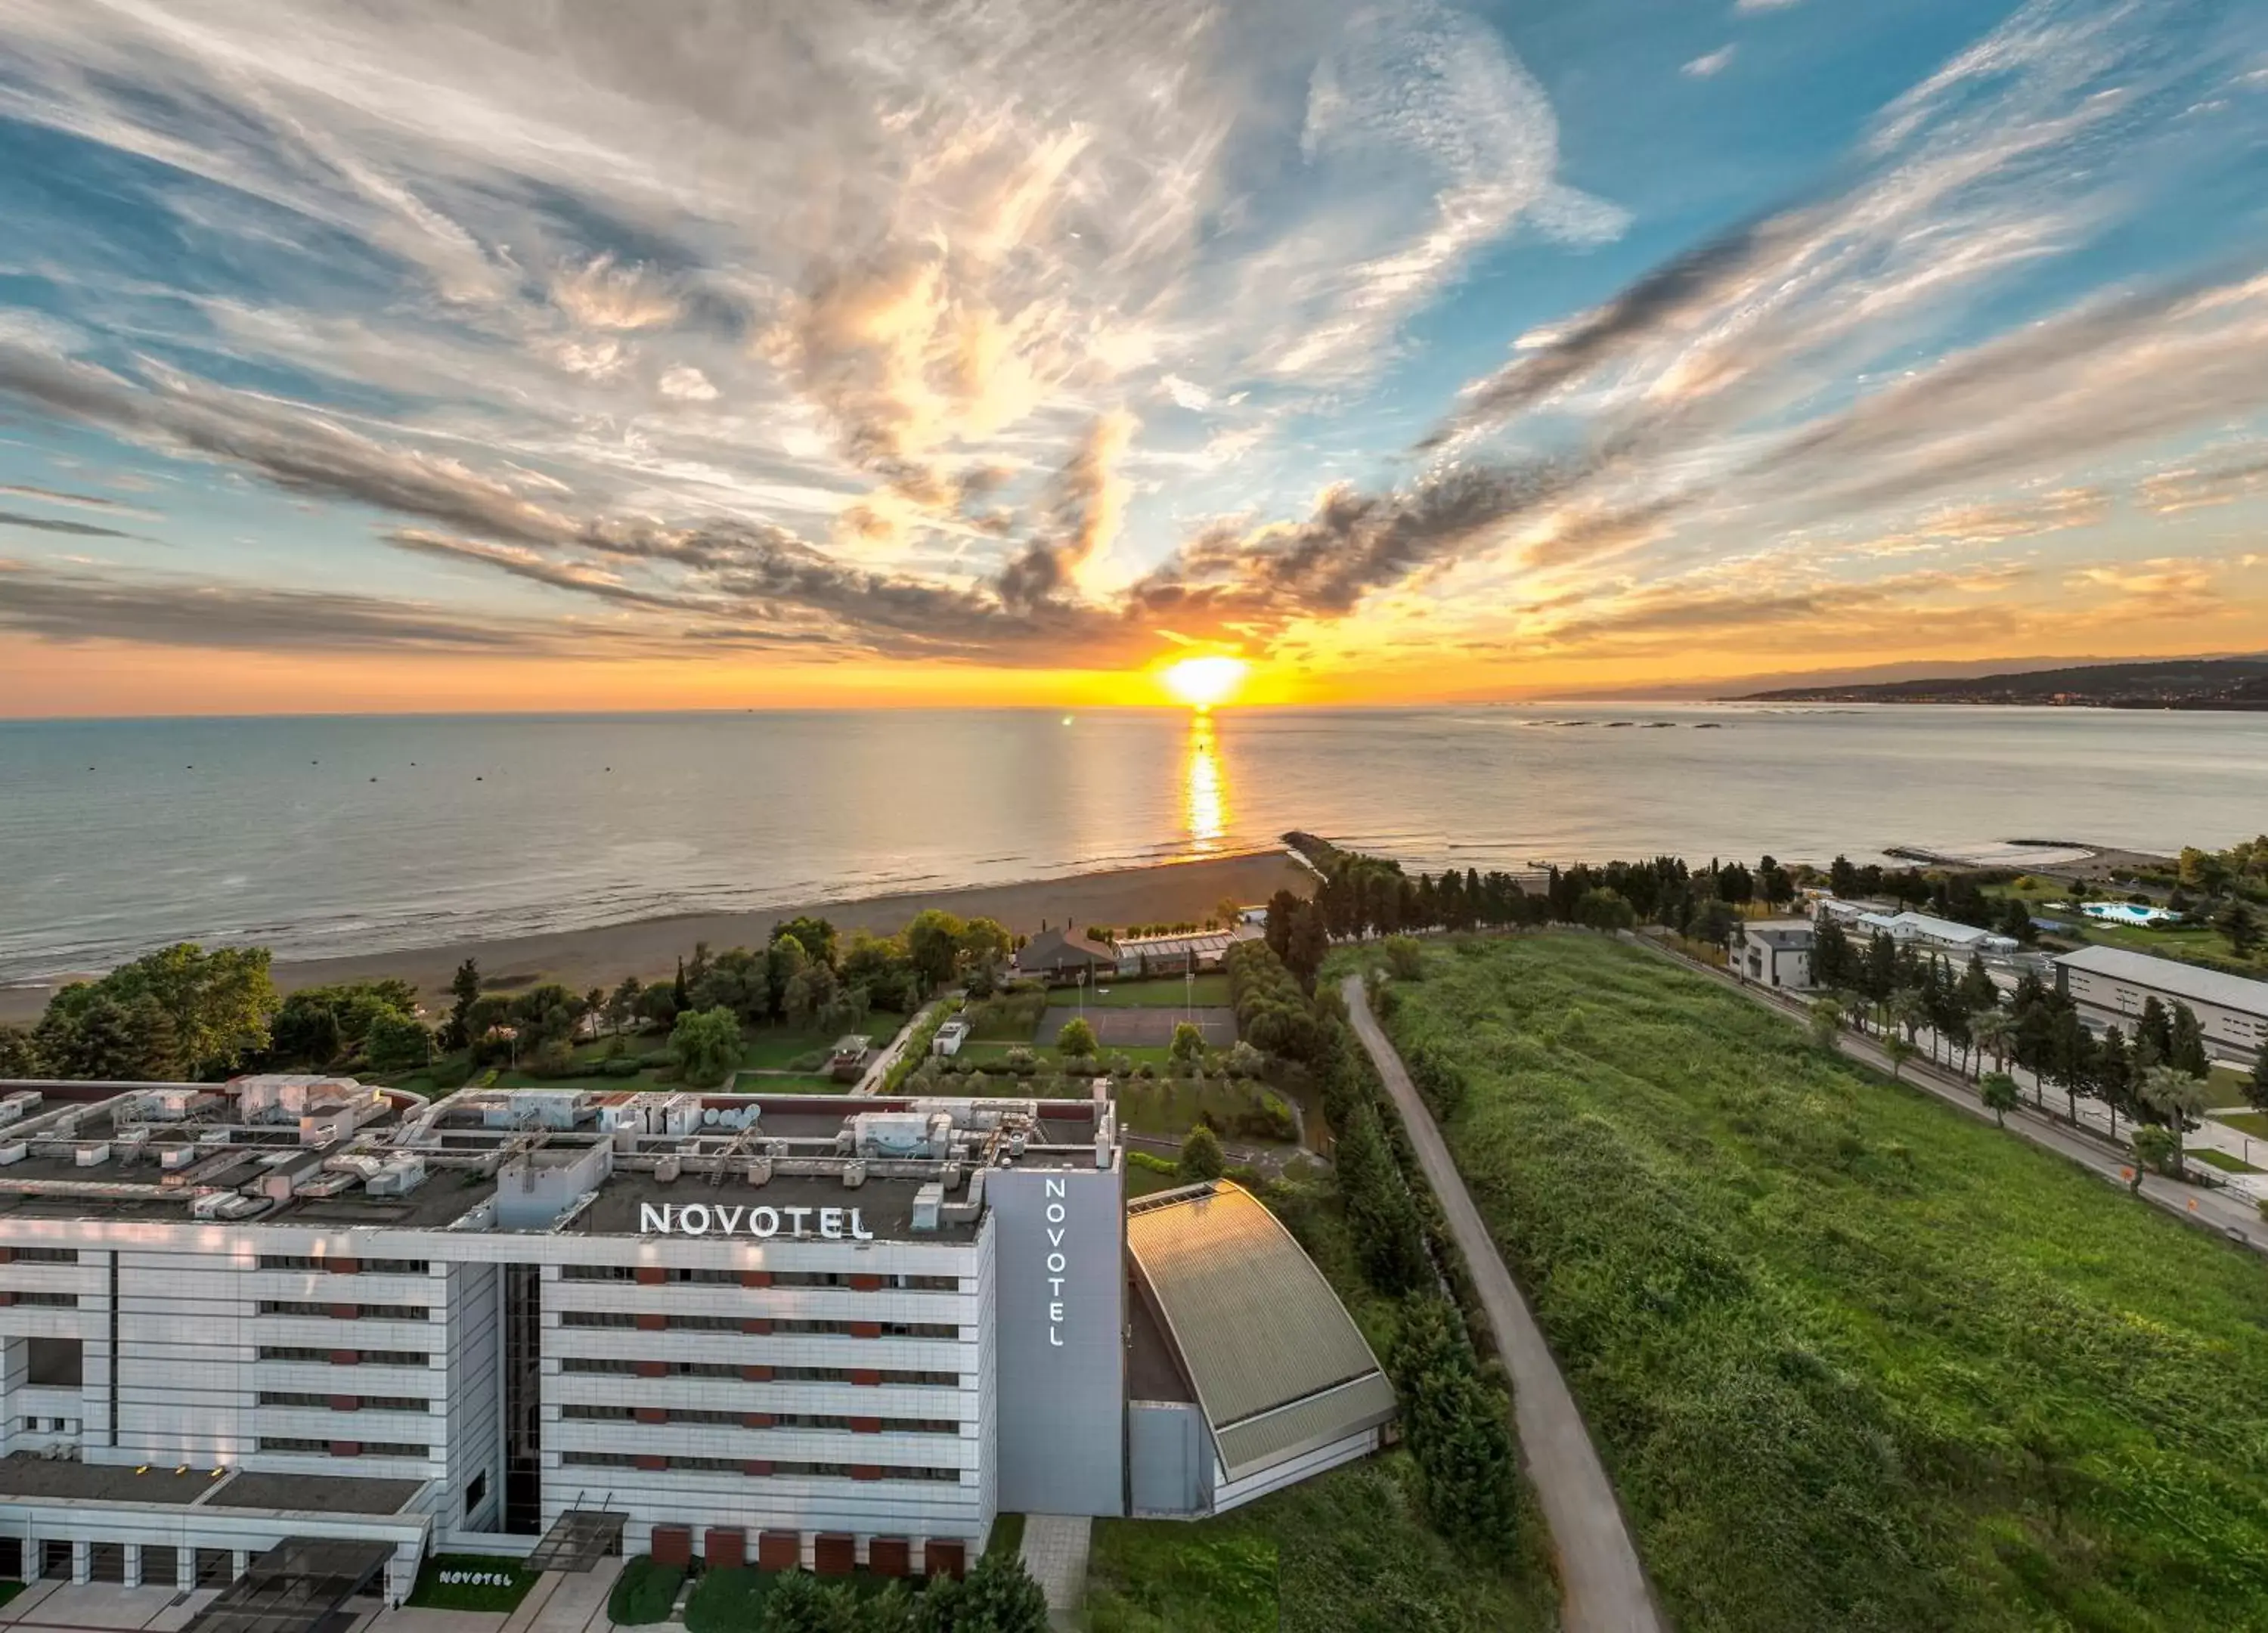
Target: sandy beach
pixel 583 958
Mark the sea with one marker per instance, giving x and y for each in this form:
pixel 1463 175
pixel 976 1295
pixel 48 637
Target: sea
pixel 336 835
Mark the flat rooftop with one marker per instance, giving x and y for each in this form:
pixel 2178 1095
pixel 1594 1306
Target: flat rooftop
pixel 59 1480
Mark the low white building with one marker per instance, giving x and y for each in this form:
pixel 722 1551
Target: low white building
pixel 2111 984
pixel 1776 952
pixel 1182 953
pixel 1920 930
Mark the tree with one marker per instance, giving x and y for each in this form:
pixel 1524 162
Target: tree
pixel 1202 1157
pixel 398 1042
pixel 2237 923
pixel 1900 1052
pixel 1997 1091
pixel 1714 922
pixel 88 1033
pixel 706 1045
pixel 623 1003
pixel 1228 912
pixel 306 1031
pixel 815 936
pixel 1826 1022
pixel 2185 1043
pixel 1995 1031
pixel 933 942
pixel 1453 1420
pixel 2256 1083
pixel 216 1004
pixel 2175 1095
pixel 2016 922
pixel 812 992
pixel 1311 944
pixel 1405 960
pixel 997 1596
pixel 1077 1038
pixel 464 990
pixel 1282 906
pixel 800 1602
pixel 1603 908
pixel 985 944
pixel 2155 1148
pixel 18 1058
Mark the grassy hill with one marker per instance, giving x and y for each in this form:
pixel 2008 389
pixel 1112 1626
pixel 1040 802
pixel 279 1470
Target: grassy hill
pixel 2239 683
pixel 1854 1361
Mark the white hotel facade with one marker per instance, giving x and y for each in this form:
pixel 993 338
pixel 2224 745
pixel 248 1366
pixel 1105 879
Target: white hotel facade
pixel 787 1331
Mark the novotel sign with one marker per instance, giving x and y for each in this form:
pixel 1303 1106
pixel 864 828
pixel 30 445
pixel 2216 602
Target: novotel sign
pixel 701 1219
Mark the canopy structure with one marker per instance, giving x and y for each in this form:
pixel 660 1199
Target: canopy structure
pixel 578 1540
pixel 1278 1366
pixel 297 1586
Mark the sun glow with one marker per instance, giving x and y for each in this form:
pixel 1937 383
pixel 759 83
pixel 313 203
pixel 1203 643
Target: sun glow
pixel 1201 683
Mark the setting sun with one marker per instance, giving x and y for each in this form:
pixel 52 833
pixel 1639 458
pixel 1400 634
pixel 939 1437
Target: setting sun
pixel 1201 683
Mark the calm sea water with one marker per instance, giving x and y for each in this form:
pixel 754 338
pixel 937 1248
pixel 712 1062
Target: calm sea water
pixel 344 835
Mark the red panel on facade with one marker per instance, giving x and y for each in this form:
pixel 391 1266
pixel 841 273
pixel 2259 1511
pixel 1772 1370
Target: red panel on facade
pixel 865 1471
pixel 346 1448
pixel 835 1553
pixel 889 1556
pixel 346 1357
pixel 652 1321
pixel 673 1545
pixel 653 1415
pixel 757 1325
pixel 725 1547
pixel 865 1376
pixel 650 1369
pixel 652 1275
pixel 344 1267
pixel 755 1278
pixel 346 1313
pixel 866 1329
pixel 6 1297
pixel 867 1283
pixel 756 1374
pixel 865 1426
pixel 346 1403
pixel 943 1558
pixel 7 1255
pixel 779 1550
pixel 651 1461
pixel 758 1420
pixel 756 1468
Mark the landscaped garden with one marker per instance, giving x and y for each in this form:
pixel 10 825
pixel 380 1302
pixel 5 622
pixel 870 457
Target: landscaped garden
pixel 1854 1360
pixel 471 1582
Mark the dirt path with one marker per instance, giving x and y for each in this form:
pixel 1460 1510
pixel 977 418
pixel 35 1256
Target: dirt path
pixel 1602 1587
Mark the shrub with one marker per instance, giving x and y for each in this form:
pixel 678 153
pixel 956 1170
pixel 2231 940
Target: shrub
pixel 1405 960
pixel 1202 1157
pixel 706 1044
pixel 644 1592
pixel 619 1066
pixel 1267 1118
pixel 554 1057
pixel 1076 1038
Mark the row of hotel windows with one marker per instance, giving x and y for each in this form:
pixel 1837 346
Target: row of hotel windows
pixel 655 1322
pixel 345 1357
pixel 337 1448
pixel 903 1377
pixel 743 1465
pixel 767 1420
pixel 367 1267
pixel 41 1256
pixel 362 1402
pixel 346 1312
pixel 772 1278
pixel 50 1301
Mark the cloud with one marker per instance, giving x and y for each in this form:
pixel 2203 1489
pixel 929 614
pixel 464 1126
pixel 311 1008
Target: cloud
pixel 73 606
pixel 1710 66
pixel 687 384
pixel 83 501
pixel 1748 7
pixel 2193 487
pixel 603 295
pixel 47 524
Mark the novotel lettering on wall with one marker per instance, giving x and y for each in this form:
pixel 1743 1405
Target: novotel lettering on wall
pixel 1056 1261
pixel 701 1219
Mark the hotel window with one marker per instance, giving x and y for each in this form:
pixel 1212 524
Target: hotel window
pixel 329 1358
pixel 394 1267
pixel 46 1255
pixel 362 1312
pixel 599 1317
pixel 50 1301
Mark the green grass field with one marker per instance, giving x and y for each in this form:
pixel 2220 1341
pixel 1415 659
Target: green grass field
pixel 2221 1160
pixel 1207 991
pixel 1855 1361
pixel 2252 1122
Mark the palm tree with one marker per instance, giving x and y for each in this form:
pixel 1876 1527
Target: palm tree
pixel 1995 1031
pixel 1900 1052
pixel 2155 1148
pixel 2175 1095
pixel 1997 1091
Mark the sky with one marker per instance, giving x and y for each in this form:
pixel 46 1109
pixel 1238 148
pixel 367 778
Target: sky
pixel 500 355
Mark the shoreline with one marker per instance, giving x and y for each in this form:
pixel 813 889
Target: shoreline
pixel 1167 892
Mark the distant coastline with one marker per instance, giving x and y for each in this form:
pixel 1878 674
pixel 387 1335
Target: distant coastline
pixel 2229 684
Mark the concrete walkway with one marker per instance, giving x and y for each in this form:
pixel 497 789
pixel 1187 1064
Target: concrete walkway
pixel 2234 1216
pixel 1055 1552
pixel 870 1081
pixel 1602 1587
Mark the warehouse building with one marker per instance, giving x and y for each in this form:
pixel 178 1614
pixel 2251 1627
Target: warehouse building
pixel 305 1317
pixel 2110 985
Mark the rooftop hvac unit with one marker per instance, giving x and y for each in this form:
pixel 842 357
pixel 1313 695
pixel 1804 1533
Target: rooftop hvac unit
pixel 212 1205
pixel 928 1200
pixel 398 1178
pixel 177 1156
pixel 665 1170
pixel 92 1156
pixel 11 1109
pixel 760 1171
pixel 13 1152
pixel 854 1175
pixel 25 1100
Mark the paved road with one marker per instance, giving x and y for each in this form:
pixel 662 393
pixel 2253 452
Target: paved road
pixel 1602 1587
pixel 870 1081
pixel 2234 1216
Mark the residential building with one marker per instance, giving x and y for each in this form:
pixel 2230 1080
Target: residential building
pixel 1775 951
pixel 1063 956
pixel 1918 929
pixel 1182 954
